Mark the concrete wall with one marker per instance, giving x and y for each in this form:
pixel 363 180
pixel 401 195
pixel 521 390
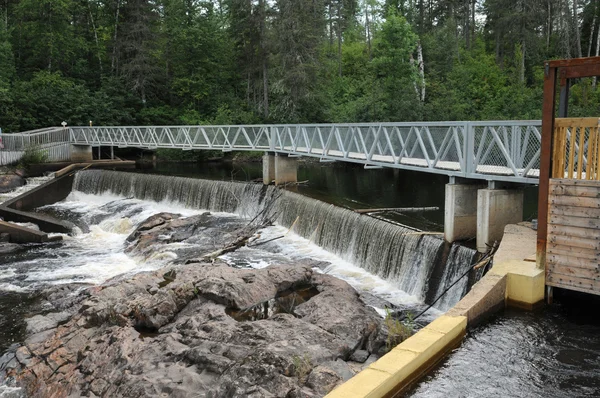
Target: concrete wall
pixel 50 192
pixel 460 213
pixel 81 153
pixel 496 208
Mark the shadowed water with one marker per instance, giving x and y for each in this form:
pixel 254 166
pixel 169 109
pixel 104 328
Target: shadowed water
pixel 550 353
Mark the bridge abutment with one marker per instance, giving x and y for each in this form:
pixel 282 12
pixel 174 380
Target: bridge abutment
pixel 81 153
pixel 279 168
pixel 496 208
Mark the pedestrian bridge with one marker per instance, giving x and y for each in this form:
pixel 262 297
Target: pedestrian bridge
pixel 489 150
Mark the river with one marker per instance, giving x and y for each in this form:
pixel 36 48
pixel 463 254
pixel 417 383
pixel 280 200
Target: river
pixel 546 353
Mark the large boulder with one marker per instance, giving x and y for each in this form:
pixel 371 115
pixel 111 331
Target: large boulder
pixel 202 330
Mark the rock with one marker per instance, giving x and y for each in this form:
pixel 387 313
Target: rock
pixel 322 380
pixel 359 356
pixel 40 323
pixel 135 337
pixel 10 182
pixel 4 237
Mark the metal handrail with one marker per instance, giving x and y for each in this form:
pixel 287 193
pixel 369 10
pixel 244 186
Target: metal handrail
pixel 491 150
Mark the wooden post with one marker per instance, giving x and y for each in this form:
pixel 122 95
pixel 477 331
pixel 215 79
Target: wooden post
pixel 545 161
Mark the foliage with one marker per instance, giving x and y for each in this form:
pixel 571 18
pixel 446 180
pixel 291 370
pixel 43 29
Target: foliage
pixel 302 366
pixel 398 331
pixel 33 154
pixel 286 61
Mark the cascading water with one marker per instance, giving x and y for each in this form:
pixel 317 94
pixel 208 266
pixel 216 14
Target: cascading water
pixel 400 255
pixel 460 260
pixel 390 251
pixel 221 196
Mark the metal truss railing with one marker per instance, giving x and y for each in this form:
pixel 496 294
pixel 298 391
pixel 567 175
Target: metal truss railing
pixel 496 150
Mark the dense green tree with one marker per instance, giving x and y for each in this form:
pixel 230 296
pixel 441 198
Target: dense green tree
pixel 261 61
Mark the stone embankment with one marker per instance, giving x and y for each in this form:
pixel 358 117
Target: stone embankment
pixel 200 329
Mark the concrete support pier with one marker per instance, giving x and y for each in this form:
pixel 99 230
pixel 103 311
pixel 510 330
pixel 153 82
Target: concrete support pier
pixel 280 168
pixel 460 213
pixel 496 208
pixel 81 153
pixel 268 168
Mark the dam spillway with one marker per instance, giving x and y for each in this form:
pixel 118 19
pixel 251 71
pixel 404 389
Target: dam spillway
pixel 420 265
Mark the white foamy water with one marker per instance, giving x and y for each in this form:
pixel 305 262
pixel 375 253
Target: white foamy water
pixel 91 257
pixel 32 182
pixel 295 247
pixel 98 255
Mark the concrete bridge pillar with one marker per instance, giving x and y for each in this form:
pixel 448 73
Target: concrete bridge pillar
pixel 81 153
pixel 279 168
pixel 497 206
pixel 460 210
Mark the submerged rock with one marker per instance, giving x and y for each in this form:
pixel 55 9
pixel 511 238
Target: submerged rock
pixel 10 182
pixel 142 337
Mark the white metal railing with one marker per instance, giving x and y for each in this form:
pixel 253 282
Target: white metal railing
pixel 492 150
pixel 54 142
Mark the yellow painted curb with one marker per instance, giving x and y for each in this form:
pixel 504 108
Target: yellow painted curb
pixel 407 361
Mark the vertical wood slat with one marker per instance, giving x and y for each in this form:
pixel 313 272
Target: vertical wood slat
pixel 563 151
pixel 591 161
pixel 572 139
pixel 558 157
pixel 580 150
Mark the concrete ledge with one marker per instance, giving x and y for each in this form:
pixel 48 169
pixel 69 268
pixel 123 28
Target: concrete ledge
pixel 485 298
pixel 406 362
pixel 45 222
pixel 19 234
pixel 48 193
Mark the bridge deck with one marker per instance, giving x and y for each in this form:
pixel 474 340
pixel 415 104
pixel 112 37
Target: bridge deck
pixel 495 150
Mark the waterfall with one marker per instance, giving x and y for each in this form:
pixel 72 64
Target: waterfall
pixel 220 196
pixel 459 261
pixel 390 251
pixel 395 253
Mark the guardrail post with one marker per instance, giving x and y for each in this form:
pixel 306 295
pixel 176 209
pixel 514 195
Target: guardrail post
pixel 469 152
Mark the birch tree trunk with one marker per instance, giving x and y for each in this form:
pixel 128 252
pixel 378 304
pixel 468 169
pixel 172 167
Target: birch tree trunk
pixel 114 65
pixel 421 66
pixel 594 79
pixel 593 26
pixel 576 28
pixel 95 38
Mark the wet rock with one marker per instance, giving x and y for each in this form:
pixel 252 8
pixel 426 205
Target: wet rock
pixel 10 182
pixel 4 237
pixel 128 339
pixel 359 356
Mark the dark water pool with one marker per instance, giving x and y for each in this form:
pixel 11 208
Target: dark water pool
pixel 553 352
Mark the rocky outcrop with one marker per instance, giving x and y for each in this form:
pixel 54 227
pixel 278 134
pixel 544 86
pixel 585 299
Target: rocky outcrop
pixel 185 332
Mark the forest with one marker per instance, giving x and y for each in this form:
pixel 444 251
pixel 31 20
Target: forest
pixel 157 62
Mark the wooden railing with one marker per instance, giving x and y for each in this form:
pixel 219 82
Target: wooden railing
pixel 576 148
